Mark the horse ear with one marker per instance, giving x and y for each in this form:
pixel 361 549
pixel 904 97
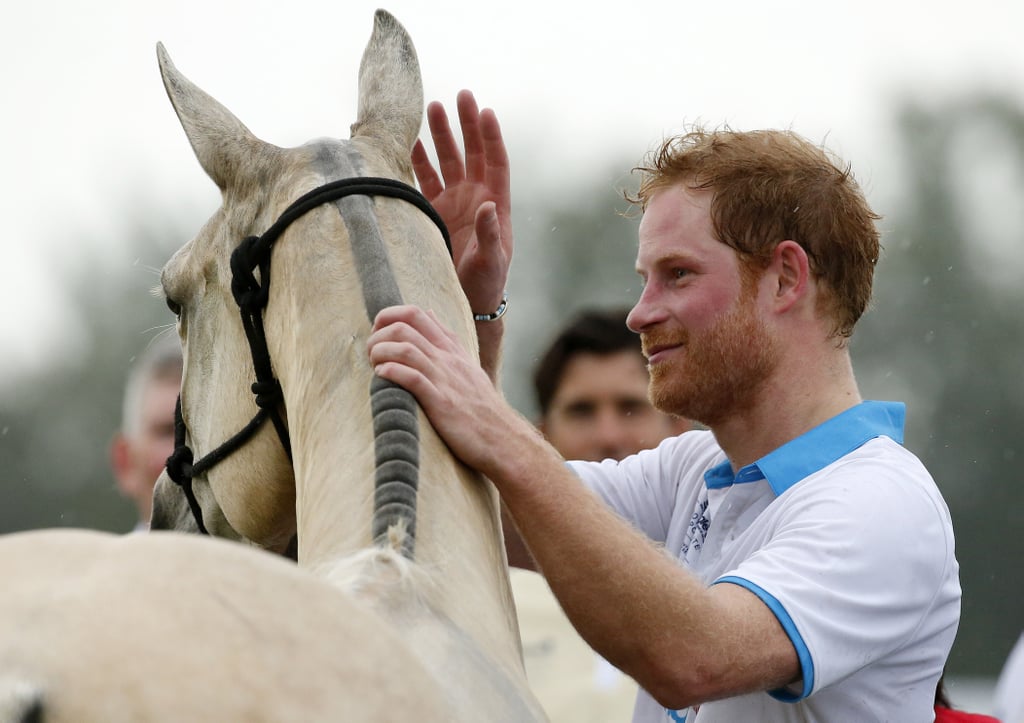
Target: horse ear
pixel 390 87
pixel 220 141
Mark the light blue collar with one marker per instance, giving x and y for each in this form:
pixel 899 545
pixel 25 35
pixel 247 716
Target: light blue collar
pixel 817 448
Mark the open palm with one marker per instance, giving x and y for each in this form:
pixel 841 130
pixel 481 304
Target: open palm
pixel 473 197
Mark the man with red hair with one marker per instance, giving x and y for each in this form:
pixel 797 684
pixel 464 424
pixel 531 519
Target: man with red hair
pixel 793 561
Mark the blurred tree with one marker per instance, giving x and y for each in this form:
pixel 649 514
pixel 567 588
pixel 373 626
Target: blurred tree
pixel 949 337
pixel 57 422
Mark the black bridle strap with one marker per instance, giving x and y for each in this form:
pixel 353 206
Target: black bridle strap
pixel 360 186
pixel 252 296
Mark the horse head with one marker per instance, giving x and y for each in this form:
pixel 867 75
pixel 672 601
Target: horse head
pixel 279 437
pixel 250 493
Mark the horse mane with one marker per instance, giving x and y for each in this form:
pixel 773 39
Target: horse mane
pixel 381 574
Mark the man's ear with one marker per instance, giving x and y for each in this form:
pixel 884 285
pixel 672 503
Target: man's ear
pixel 791 271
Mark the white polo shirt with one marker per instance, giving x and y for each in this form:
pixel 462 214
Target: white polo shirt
pixel 843 535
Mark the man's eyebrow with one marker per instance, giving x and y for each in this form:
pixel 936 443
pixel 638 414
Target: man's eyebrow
pixel 669 259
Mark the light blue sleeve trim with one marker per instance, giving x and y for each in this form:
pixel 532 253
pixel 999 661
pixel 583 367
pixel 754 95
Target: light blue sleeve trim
pixel 803 654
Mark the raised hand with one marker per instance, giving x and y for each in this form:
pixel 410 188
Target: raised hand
pixel 473 197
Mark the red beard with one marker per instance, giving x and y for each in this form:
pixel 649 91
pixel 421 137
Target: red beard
pixel 716 373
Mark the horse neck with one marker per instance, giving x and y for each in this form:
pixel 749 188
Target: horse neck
pixel 325 374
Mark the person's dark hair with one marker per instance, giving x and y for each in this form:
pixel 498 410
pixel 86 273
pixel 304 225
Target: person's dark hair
pixel 592 331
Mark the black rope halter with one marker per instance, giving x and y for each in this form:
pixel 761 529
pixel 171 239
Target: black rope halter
pixel 251 295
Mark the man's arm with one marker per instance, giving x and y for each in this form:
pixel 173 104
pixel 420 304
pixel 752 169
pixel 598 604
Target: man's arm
pixel 683 642
pixel 473 196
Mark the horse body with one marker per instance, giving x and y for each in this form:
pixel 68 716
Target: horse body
pixel 160 627
pixel 194 628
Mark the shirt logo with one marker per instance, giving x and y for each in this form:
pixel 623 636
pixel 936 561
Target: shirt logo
pixel 697 532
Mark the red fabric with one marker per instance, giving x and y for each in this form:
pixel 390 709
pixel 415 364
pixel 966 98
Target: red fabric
pixel 948 715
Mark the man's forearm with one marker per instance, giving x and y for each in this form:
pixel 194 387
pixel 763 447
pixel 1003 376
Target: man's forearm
pixel 489 336
pixel 683 642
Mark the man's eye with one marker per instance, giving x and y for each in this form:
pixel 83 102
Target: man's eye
pixel 633 407
pixel 580 410
pixel 680 273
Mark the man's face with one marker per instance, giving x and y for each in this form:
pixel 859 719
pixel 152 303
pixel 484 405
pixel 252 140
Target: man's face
pixel 708 349
pixel 600 409
pixel 140 458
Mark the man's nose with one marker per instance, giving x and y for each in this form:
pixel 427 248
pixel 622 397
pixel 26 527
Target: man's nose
pixel 612 435
pixel 647 311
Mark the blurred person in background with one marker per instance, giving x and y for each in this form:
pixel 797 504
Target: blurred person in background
pixel 591 388
pixel 140 448
pixel 591 392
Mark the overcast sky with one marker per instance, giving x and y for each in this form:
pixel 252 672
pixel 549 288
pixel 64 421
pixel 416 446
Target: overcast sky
pixel 88 130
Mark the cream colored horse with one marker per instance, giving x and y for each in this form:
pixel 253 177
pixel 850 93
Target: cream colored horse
pixel 95 627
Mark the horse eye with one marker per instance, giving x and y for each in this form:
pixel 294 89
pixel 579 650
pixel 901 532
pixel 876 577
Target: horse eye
pixel 173 305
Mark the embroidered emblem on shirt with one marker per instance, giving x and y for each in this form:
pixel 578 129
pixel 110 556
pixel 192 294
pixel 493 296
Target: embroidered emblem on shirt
pixel 697 532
